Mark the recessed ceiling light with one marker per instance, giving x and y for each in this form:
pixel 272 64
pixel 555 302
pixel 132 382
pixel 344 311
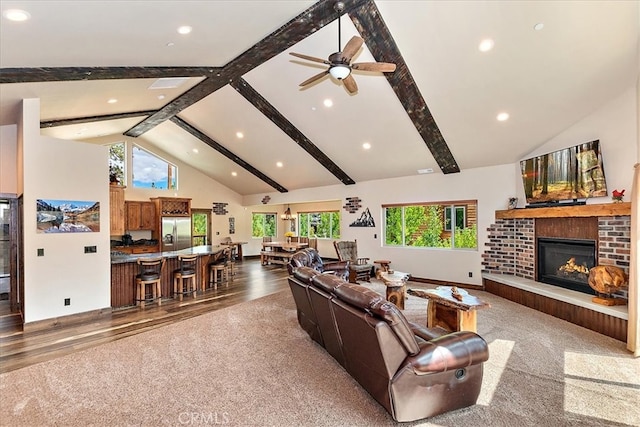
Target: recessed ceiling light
pixel 234 173
pixel 486 45
pixel 171 44
pixel 328 103
pixel 279 164
pixel 160 97
pixel 239 135
pixel 502 117
pixel 185 29
pixel 16 15
pixel 366 146
pixel 195 150
pixel 538 26
pixel 112 101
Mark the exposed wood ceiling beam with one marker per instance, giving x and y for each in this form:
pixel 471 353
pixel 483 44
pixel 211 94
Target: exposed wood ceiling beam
pixel 61 74
pixel 92 119
pixel 225 152
pixel 297 29
pixel 258 101
pixel 380 43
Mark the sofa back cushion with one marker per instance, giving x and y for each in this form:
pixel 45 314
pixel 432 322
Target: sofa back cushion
pixel 327 282
pixel 305 274
pixel 366 299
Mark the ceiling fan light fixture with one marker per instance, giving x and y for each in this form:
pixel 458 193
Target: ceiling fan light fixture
pixel 340 71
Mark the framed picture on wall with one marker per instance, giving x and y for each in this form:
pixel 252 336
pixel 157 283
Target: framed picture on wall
pixel 67 216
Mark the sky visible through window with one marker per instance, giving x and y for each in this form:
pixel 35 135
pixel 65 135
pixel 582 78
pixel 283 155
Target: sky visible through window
pixel 150 171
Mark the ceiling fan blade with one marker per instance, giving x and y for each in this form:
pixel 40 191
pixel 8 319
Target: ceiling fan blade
pixel 383 67
pixel 310 58
pixel 350 84
pixel 351 48
pixel 314 78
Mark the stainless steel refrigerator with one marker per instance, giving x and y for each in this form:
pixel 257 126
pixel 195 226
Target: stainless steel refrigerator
pixel 176 233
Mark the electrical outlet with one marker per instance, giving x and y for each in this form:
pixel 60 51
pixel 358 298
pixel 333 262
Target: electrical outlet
pixel 470 274
pixel 67 301
pixel 90 249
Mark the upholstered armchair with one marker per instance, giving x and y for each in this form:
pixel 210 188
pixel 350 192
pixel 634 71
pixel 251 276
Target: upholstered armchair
pixel 359 267
pixel 309 257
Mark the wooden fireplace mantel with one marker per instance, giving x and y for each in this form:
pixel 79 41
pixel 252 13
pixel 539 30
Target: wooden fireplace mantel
pixel 607 209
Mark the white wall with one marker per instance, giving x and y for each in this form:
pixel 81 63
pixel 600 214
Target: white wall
pixel 616 126
pixel 63 170
pixel 491 187
pixel 8 159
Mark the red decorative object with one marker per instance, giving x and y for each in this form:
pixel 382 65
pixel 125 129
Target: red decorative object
pixel 617 195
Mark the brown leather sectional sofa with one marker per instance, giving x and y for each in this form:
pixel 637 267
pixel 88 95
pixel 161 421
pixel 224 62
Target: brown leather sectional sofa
pixel 412 371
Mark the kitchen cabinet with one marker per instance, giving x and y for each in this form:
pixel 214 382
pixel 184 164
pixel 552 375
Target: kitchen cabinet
pixel 140 215
pixel 116 210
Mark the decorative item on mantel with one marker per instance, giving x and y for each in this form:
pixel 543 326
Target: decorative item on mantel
pixel 513 203
pixel 617 196
pixel 605 280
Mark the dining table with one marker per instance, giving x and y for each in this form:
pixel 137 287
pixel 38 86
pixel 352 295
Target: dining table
pixel 279 252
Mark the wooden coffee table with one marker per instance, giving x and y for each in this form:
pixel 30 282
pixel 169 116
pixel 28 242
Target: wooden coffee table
pixel 396 286
pixel 448 312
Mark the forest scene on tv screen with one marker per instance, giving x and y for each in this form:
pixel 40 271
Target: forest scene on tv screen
pixel 570 174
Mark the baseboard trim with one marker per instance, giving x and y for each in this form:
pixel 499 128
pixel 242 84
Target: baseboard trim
pixel 71 319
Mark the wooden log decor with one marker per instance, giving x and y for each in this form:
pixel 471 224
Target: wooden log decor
pixel 606 280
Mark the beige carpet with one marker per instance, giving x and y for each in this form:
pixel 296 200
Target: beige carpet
pixel 252 365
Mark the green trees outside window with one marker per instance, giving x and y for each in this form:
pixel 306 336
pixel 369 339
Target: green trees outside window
pixel 117 163
pixel 432 225
pixel 263 224
pixel 323 225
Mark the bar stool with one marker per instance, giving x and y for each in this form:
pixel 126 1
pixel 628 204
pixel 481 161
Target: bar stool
pixel 149 274
pixel 218 270
pixel 184 278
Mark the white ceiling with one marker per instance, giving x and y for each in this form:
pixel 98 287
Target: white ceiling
pixel 585 55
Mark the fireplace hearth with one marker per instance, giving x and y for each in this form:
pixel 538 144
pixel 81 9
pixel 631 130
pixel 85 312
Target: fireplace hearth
pixel 566 263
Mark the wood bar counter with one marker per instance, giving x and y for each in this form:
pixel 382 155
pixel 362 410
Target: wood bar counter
pixel 125 267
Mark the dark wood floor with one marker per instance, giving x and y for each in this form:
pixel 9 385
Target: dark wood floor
pixel 19 349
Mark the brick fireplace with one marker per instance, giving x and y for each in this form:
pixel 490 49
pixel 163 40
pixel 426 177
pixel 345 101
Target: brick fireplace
pixel 511 257
pixel 512 245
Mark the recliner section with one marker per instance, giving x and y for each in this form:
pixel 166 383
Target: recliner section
pixel 412 371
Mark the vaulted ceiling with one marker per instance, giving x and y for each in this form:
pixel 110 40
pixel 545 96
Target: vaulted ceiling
pixel 233 73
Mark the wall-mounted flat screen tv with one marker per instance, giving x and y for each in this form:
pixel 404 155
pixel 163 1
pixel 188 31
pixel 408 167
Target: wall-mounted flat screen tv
pixel 573 173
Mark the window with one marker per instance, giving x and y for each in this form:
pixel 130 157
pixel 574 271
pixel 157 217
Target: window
pixel 263 224
pixel 117 163
pixel 323 225
pixel 460 217
pixel 150 171
pixel 432 225
pixel 200 219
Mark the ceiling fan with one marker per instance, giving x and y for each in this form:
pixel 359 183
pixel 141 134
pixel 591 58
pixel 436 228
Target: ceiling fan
pixel 339 63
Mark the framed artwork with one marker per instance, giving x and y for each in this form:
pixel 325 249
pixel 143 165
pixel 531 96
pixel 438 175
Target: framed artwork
pixel 67 216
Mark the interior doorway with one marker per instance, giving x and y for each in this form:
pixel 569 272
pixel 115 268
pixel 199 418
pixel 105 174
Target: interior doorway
pixel 10 296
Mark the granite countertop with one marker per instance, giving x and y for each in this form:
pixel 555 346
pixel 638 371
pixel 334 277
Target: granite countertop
pixel 196 250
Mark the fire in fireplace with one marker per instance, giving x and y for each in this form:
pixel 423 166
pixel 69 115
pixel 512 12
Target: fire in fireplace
pixel 566 263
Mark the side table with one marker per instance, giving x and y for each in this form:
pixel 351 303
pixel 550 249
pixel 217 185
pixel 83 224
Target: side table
pixel 449 312
pixel 396 287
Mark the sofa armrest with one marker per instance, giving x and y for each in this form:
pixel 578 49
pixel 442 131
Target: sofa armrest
pixel 452 351
pixel 336 265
